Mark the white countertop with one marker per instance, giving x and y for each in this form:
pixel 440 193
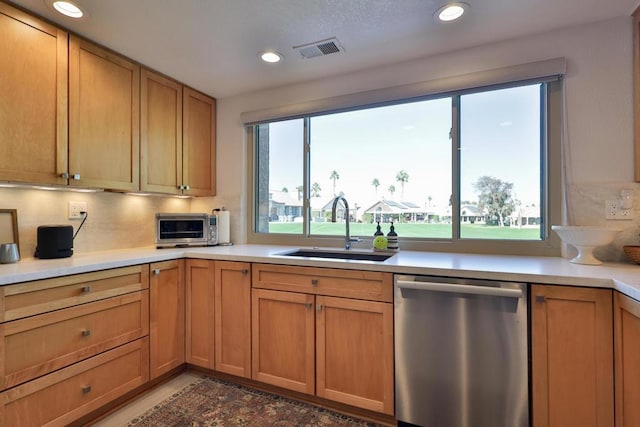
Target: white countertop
pixel 546 270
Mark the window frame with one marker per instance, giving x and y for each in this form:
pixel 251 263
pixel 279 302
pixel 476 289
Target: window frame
pixel 551 183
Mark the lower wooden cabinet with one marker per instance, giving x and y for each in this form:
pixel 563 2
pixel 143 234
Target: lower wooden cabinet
pixel 354 352
pixel 65 395
pixel 37 345
pixel 283 335
pixel 340 349
pixel 627 353
pixel 572 357
pixel 166 316
pixel 199 312
pixel 233 318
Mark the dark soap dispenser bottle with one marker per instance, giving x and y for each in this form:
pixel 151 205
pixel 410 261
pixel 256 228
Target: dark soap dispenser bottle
pixel 392 239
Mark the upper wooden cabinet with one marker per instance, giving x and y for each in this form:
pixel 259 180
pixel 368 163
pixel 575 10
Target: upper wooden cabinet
pixel 33 99
pixel 104 111
pixel 572 357
pixel 160 133
pixel 177 138
pixel 198 143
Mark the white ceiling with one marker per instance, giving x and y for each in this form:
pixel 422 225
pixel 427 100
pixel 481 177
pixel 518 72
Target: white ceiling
pixel 212 45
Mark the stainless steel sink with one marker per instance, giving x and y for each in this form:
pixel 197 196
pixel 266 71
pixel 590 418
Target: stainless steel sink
pixel 338 254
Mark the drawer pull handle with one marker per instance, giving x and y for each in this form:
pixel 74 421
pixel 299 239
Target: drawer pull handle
pixel 86 289
pixel 319 307
pixel 86 389
pixel 245 272
pixel 314 282
pixel 308 305
pixel 156 271
pixel 86 332
pixel 540 298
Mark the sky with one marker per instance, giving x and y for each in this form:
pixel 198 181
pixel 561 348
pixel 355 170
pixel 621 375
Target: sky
pixel 500 133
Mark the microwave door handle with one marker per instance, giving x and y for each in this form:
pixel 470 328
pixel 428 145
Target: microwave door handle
pixel 459 289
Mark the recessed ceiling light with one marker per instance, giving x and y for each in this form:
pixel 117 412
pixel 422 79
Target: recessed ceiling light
pixel 66 7
pixel 271 56
pixel 450 12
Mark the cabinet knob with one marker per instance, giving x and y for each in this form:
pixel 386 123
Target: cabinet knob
pixel 64 175
pixel 86 389
pixel 540 298
pixel 86 289
pixel 156 271
pixel 245 272
pixel 86 332
pixel 314 282
pixel 308 305
pixel 180 187
pixel 187 188
pixel 76 176
pixel 319 307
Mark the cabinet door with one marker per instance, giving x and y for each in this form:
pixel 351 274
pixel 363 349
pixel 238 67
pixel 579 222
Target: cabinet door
pixel 160 133
pixel 104 108
pixel 354 352
pixel 283 339
pixel 233 318
pixel 199 143
pixel 199 313
pixel 166 316
pixel 627 351
pixel 33 94
pixel 572 356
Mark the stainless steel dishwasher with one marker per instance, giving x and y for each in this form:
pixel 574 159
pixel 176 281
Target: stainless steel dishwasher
pixel 461 352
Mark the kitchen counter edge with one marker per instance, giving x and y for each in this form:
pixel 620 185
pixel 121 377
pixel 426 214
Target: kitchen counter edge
pixel 543 270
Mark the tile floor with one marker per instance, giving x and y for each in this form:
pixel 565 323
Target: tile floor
pixel 147 401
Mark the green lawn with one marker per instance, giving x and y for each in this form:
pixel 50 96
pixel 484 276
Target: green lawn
pixel 476 231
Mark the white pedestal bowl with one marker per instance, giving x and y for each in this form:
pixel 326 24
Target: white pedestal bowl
pixel 585 239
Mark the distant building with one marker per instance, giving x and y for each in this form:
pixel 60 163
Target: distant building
pixel 389 210
pixel 284 206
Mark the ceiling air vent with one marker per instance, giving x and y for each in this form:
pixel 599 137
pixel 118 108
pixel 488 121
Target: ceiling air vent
pixel 319 48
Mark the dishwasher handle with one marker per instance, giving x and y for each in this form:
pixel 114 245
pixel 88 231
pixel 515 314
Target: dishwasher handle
pixel 459 289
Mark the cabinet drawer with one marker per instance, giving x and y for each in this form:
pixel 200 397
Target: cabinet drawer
pixel 41 344
pixel 31 298
pixel 63 396
pixel 368 285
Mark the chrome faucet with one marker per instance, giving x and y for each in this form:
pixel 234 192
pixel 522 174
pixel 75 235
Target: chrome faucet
pixel 347 237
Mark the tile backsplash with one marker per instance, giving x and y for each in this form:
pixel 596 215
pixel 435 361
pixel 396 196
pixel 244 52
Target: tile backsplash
pixel 114 220
pixel 586 206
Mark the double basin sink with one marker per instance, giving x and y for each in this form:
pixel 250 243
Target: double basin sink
pixel 338 254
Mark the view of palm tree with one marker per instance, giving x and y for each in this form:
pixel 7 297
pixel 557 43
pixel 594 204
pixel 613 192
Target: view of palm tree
pixel 402 177
pixel 315 190
pixel 392 189
pixel 375 184
pixel 334 177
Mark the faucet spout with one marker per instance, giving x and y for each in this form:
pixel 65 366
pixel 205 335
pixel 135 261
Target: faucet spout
pixel 347 237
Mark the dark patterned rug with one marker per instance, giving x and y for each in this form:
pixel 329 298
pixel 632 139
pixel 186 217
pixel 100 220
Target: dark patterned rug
pixel 212 402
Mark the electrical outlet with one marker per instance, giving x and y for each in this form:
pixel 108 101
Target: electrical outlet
pixel 75 208
pixel 615 211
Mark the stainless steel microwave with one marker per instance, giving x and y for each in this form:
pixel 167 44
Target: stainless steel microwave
pixel 186 229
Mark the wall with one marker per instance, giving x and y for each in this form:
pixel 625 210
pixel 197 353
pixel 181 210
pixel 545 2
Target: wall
pixel 599 129
pixel 598 99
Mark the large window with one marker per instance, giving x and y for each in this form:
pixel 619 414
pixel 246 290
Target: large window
pixel 454 171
